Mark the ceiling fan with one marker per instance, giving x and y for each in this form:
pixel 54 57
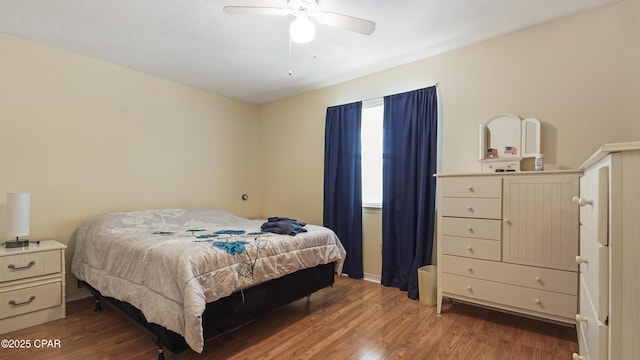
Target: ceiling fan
pixel 301 29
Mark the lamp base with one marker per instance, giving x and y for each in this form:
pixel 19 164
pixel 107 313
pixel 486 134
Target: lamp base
pixel 16 244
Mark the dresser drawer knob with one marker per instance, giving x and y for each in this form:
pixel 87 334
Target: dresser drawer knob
pixel 537 301
pixel 538 278
pixel 582 201
pixel 581 318
pixel 469 248
pixel 469 268
pixel 14 268
pixel 581 260
pixel 14 303
pixel 470 208
pixel 470 188
pixel 469 229
pixel 578 357
pixel 507 221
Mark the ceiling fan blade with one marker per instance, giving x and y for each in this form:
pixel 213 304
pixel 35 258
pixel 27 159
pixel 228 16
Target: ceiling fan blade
pixel 346 22
pixel 258 10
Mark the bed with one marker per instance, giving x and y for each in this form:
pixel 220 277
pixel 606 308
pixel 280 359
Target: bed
pixel 188 275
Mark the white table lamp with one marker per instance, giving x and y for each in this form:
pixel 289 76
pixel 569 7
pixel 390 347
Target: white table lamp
pixel 18 218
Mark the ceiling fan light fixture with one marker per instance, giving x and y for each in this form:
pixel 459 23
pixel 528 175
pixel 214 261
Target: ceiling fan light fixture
pixel 302 30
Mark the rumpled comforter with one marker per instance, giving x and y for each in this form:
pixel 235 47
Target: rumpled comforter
pixel 169 263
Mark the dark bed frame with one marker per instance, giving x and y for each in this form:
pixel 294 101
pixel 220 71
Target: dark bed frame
pixel 235 310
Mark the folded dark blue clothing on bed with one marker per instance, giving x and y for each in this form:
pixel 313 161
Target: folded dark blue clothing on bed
pixel 283 225
pixel 284 228
pixel 284 218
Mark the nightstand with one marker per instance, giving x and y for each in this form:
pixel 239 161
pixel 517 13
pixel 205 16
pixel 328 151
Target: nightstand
pixel 31 285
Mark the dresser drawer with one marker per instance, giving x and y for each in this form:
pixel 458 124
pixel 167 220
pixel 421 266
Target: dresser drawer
pixel 500 166
pixel 594 270
pixel 471 186
pixel 472 208
pixel 594 332
pixel 532 300
pixel 594 208
pixel 476 228
pixel 559 281
pixel 22 301
pixel 470 247
pixel 582 344
pixel 22 266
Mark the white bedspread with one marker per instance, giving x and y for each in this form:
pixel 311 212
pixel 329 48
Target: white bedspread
pixel 169 263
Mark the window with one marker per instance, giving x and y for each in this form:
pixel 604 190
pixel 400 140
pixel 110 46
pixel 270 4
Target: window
pixel 371 137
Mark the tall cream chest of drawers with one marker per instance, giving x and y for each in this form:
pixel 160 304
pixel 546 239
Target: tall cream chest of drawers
pixel 509 241
pixel 608 319
pixel 31 285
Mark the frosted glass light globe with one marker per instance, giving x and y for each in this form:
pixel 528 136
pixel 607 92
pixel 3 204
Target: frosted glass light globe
pixel 302 30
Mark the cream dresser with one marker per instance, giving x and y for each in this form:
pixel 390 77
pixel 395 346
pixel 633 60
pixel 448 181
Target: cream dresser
pixel 509 241
pixel 609 311
pixel 31 285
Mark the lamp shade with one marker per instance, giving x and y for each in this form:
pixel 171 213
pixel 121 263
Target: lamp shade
pixel 18 214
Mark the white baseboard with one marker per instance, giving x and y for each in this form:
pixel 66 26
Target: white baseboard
pixel 372 278
pixel 367 277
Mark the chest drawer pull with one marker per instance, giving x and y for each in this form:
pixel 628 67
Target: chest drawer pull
pixel 581 318
pixel 581 260
pixel 14 303
pixel 14 268
pixel 581 201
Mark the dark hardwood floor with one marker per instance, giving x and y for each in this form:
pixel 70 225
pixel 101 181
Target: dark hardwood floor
pixel 353 320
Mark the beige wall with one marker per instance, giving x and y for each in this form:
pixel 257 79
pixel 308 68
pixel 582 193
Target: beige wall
pixel 579 75
pixel 85 137
pixel 372 249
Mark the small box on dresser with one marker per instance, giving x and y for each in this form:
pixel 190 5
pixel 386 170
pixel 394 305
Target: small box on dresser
pixel 609 312
pixel 509 241
pixel 32 285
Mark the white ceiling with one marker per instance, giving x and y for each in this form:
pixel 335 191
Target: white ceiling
pixel 247 57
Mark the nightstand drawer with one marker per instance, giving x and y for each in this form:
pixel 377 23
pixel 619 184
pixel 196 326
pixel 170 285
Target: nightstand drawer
pixel 30 299
pixel 22 266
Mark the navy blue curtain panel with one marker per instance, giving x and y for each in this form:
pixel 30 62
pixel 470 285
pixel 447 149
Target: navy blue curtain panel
pixel 408 194
pixel 342 211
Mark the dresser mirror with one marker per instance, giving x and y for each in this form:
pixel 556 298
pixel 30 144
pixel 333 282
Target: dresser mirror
pixel 508 138
pixel 530 137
